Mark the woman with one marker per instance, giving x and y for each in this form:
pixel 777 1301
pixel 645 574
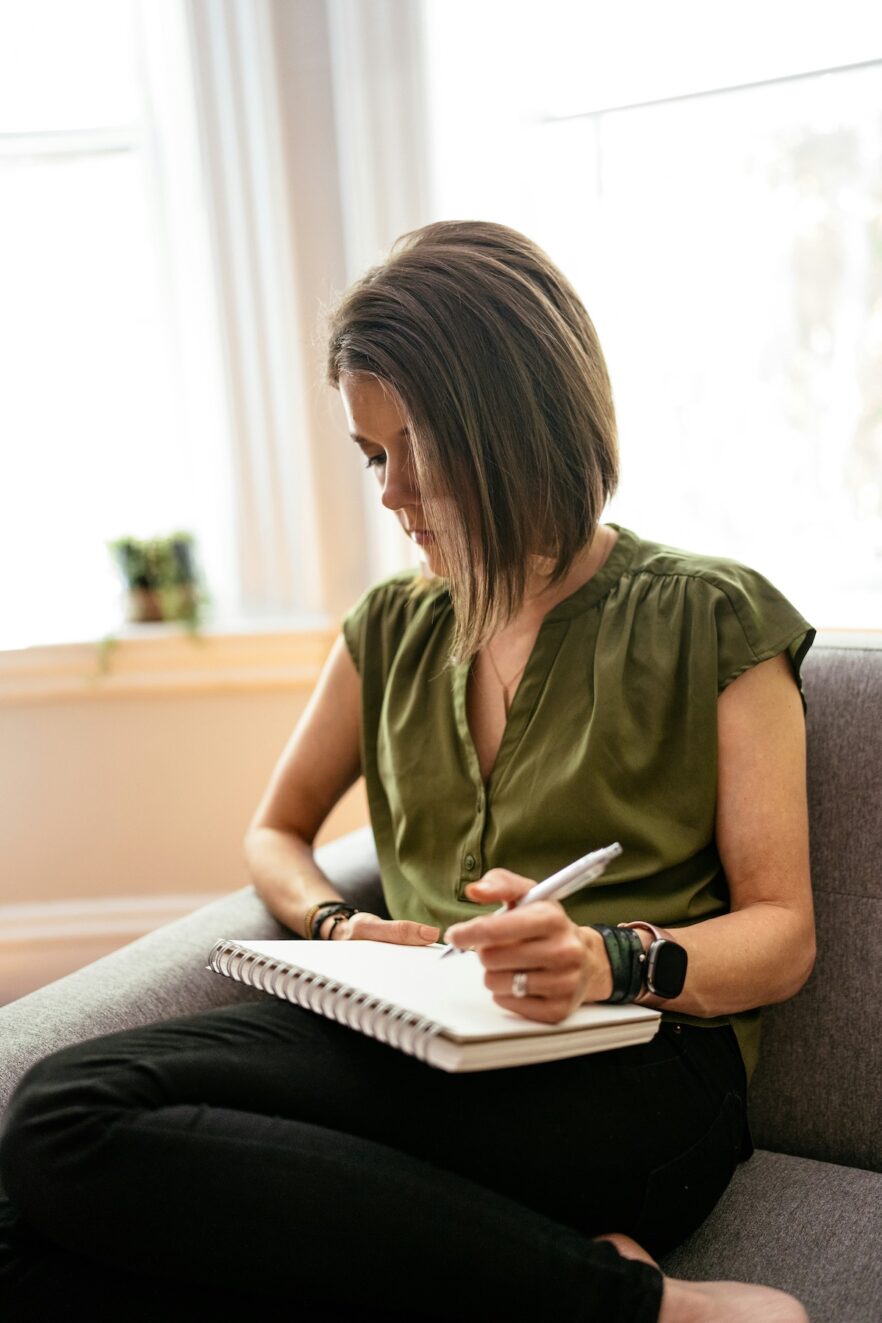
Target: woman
pixel 547 685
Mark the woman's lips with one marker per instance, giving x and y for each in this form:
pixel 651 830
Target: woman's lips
pixel 421 536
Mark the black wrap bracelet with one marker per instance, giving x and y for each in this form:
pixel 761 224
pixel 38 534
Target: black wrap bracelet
pixel 625 951
pixel 335 919
pixel 338 907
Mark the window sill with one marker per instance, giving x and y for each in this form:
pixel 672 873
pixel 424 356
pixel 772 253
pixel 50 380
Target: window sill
pixel 164 659
pixel 145 660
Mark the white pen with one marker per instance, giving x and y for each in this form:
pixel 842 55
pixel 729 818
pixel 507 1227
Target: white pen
pixel 562 883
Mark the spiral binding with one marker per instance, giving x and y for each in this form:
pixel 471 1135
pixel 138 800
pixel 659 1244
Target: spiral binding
pixel 383 1020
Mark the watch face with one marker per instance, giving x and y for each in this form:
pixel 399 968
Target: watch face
pixel 666 969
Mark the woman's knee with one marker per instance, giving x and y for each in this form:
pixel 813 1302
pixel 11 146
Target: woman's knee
pixel 53 1118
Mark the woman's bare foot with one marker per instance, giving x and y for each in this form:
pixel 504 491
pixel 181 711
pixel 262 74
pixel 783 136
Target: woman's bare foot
pixel 727 1302
pixel 715 1302
pixel 628 1248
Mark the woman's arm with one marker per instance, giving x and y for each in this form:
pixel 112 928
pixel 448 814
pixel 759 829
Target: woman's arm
pixel 761 952
pixel 320 762
pixel 764 950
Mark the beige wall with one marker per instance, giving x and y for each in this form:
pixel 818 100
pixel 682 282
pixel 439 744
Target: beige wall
pixel 138 796
pixel 121 808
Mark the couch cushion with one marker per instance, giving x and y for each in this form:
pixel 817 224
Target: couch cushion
pixel 161 975
pixel 810 1228
pixel 816 1091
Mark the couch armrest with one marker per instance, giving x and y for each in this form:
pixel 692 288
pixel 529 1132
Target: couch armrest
pixel 164 974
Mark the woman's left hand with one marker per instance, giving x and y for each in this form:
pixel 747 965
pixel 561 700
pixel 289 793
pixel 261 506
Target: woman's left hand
pixel 565 965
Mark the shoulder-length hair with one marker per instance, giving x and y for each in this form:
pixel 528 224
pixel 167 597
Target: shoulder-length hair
pixel 499 371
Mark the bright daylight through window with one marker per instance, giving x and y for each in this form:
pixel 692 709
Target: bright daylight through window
pixel 716 200
pixel 96 438
pixel 720 212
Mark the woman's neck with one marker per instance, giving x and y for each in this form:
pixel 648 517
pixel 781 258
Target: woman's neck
pixel 541 596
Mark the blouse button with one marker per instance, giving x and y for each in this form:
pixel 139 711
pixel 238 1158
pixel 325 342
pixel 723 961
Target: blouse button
pixel 469 862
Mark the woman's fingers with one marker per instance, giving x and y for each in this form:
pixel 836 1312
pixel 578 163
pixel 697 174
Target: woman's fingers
pixel 524 924
pixel 520 923
pixel 539 982
pixel 546 994
pixel 563 950
pixel 500 886
pixel 407 933
pixel 564 968
pixel 402 932
pixel 549 1010
pixel 565 965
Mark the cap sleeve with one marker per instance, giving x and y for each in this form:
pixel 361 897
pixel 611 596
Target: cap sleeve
pixel 755 622
pixel 374 627
pixel 355 628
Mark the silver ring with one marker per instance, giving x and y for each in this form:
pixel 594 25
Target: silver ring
pixel 519 985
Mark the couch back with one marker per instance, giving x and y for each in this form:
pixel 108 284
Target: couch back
pixel 817 1091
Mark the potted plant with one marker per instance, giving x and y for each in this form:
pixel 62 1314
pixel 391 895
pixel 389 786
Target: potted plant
pixel 160 578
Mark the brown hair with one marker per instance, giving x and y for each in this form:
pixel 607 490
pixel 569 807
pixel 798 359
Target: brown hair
pixel 509 405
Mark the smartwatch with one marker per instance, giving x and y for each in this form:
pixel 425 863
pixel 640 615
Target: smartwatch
pixel 664 970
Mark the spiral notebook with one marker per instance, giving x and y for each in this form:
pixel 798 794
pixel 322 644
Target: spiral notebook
pixel 437 1010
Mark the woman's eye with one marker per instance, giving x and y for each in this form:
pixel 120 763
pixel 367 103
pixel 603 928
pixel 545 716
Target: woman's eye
pixel 374 461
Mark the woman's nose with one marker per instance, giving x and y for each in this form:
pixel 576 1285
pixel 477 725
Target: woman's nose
pixel 399 485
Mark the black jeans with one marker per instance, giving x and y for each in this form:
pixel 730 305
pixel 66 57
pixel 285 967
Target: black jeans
pixel 263 1151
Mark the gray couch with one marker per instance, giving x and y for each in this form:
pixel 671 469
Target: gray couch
pixel 805 1213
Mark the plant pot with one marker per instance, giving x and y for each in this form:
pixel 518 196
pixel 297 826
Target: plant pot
pixel 143 606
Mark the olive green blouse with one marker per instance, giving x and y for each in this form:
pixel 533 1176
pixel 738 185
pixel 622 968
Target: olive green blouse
pixel 611 736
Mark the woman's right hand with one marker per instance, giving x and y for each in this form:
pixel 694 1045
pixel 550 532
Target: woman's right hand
pixel 371 928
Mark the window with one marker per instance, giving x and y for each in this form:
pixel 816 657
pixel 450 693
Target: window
pixel 110 413
pixel 718 204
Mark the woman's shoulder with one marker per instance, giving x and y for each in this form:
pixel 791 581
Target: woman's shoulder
pixel 404 591
pixel 389 609
pixel 669 573
pixel 718 602
pixel 662 561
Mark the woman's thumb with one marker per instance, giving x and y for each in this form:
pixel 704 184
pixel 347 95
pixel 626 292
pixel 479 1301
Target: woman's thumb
pixel 498 884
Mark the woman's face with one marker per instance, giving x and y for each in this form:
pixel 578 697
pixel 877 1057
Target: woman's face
pixel 378 425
